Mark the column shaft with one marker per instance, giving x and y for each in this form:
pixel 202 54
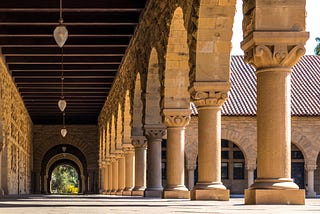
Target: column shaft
pixel 115 174
pixel 140 169
pixel 105 179
pixel 122 174
pixel 250 177
pixel 110 177
pixel 310 187
pixel 130 162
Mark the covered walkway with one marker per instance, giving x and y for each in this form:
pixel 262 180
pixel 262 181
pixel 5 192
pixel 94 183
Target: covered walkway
pixel 119 204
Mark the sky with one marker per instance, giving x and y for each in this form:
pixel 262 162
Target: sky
pixel 312 21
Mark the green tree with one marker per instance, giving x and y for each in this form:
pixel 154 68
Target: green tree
pixel 64 180
pixel 317 49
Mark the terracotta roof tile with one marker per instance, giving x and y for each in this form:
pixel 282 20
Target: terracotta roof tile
pixel 305 88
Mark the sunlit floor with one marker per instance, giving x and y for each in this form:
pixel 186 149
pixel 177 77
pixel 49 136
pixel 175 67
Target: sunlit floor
pixel 51 204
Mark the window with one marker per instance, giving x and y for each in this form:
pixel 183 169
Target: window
pixel 224 170
pixel 238 171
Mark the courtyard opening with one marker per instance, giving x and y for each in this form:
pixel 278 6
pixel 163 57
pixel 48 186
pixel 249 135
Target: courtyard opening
pixel 64 180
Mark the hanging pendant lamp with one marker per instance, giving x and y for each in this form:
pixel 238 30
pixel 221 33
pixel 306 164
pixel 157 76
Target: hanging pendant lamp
pixel 60 33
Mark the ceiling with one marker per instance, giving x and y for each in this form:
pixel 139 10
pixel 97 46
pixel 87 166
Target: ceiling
pixel 99 34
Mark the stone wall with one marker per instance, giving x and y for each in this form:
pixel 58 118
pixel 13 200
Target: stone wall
pixel 16 138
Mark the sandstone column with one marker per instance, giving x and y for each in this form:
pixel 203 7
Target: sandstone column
pixel 176 121
pixel 139 142
pixel 190 169
pixel 130 163
pixel 122 174
pixel 110 177
pixel 209 98
pixel 105 178
pixel 310 191
pixel 251 166
pixel 154 134
pixel 115 174
pixel 273 54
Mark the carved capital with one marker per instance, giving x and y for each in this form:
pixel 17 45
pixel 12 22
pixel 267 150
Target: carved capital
pixel 310 167
pixel 210 93
pixel 139 141
pixel 128 148
pixel 154 131
pixel 266 50
pixel 177 117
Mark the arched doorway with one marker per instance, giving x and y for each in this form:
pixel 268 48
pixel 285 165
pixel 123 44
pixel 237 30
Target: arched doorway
pixel 64 178
pixel 63 154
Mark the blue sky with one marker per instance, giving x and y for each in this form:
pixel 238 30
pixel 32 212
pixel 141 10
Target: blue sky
pixel 313 27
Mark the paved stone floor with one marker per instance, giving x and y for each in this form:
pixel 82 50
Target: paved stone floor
pixel 49 204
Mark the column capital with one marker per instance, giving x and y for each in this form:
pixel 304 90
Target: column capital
pixel 128 149
pixel 210 93
pixel 139 141
pixel 274 49
pixel 310 167
pixel 177 117
pixel 191 167
pixel 154 131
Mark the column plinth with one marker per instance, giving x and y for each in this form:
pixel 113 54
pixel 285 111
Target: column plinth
pixel 140 145
pixel 176 120
pixel 154 134
pixel 273 60
pixel 209 97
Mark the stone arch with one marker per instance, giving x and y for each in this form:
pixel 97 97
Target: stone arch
pixel 176 83
pixel 63 152
pixel 214 34
pixel 153 96
pixel 308 149
pixel 67 159
pixel 248 148
pixel 127 119
pixel 137 109
pixel 119 134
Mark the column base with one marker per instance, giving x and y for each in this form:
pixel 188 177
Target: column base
pixel 210 194
pixel 137 193
pixel 127 193
pixel 119 193
pixel 176 194
pixel 311 194
pixel 275 196
pixel 153 193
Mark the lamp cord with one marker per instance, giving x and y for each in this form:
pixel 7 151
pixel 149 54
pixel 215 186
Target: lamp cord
pixel 62 74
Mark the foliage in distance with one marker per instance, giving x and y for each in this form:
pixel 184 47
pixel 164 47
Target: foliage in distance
pixel 64 180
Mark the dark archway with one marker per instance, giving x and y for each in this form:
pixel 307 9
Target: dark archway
pixel 64 150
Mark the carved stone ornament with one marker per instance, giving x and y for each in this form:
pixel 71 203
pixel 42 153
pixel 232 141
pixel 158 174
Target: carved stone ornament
pixel 278 55
pixel 154 131
pixel 210 98
pixel 177 117
pixel 139 141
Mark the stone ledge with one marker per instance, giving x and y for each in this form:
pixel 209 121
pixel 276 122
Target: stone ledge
pixel 127 193
pixel 267 196
pixel 176 194
pixel 210 194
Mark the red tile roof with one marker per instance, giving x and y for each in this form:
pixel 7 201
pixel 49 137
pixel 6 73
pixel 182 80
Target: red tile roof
pixel 305 88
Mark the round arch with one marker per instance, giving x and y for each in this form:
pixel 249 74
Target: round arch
pixel 69 162
pixel 68 153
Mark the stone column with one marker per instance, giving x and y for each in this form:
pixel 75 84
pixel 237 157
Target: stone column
pixel 36 180
pixel 310 188
pixel 209 98
pixel 101 177
pixel 1 189
pixel 122 174
pixel 176 121
pixel 105 178
pixel 273 54
pixel 130 163
pixel 110 177
pixel 154 134
pixel 190 169
pixel 115 174
pixel 251 166
pixel 140 144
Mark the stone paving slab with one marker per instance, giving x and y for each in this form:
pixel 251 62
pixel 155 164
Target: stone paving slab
pixel 49 204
